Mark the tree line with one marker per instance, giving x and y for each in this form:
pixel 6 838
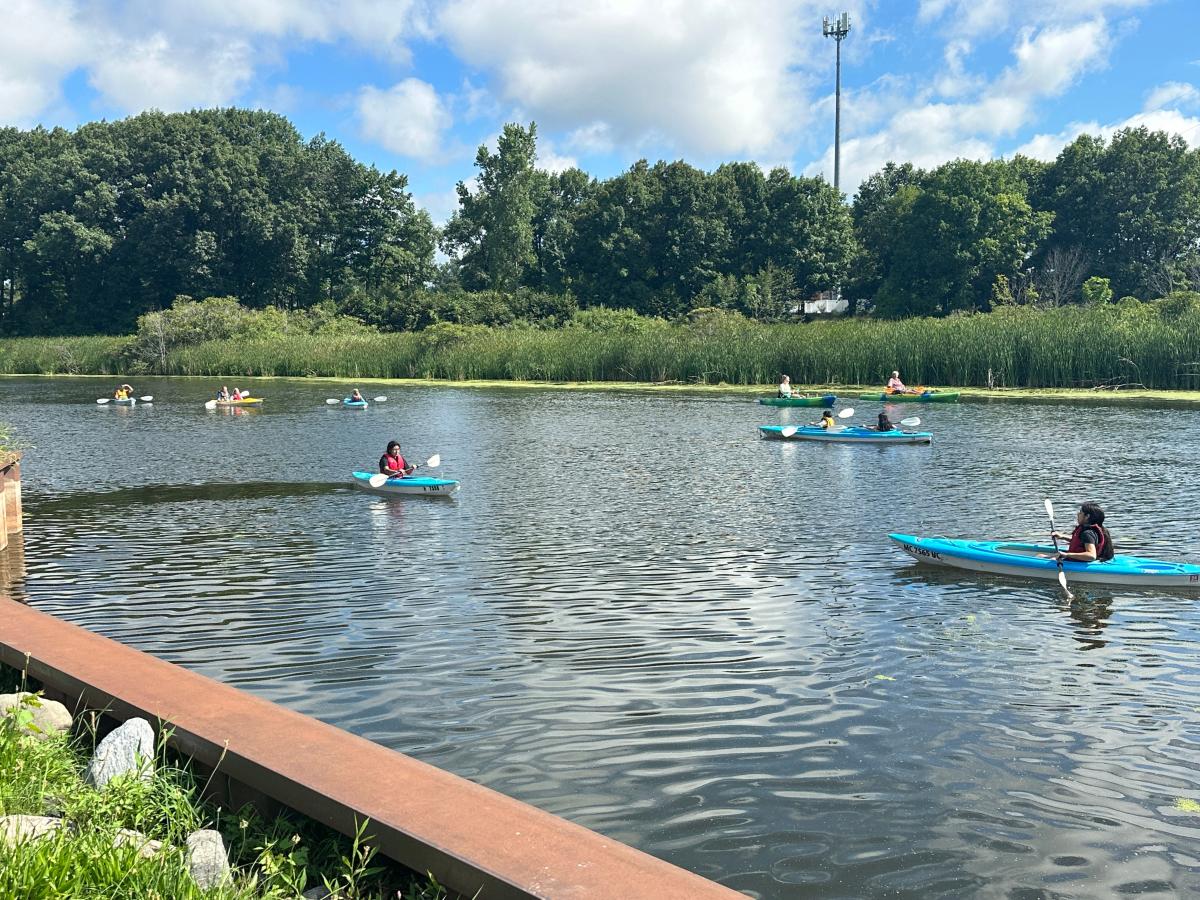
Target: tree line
pixel 115 220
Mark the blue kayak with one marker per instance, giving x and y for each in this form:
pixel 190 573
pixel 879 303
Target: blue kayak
pixel 1037 561
pixel 426 487
pixel 850 435
pixel 354 404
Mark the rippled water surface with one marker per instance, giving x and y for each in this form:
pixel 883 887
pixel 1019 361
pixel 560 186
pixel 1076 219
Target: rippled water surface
pixel 639 616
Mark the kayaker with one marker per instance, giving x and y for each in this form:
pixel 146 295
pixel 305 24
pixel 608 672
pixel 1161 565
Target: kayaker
pixel 785 387
pixel 237 394
pixel 356 397
pixel 827 422
pixel 896 386
pixel 223 394
pixel 121 393
pixel 1090 540
pixel 885 424
pixel 393 464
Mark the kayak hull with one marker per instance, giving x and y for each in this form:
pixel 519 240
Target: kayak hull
pixel 129 401
pixel 824 400
pixel 422 487
pixel 1037 561
pixel 251 401
pixel 927 397
pixel 354 404
pixel 851 435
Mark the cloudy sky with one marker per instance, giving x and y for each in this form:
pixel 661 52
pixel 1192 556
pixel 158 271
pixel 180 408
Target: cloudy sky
pixel 417 85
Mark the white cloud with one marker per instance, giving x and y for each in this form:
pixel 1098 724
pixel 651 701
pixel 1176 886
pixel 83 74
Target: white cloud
pixel 982 18
pixel 154 72
pixel 1175 94
pixel 40 43
pixel 440 205
pixel 409 119
pixel 708 77
pixel 1048 146
pixel 927 133
pixel 550 161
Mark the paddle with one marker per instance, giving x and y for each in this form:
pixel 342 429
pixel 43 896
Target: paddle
pixel 381 479
pixel 788 430
pixel 210 404
pixel 911 421
pixel 379 399
pixel 103 400
pixel 332 401
pixel 1062 576
pixel 149 398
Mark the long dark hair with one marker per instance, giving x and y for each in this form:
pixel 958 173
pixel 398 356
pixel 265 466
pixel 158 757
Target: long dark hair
pixel 1093 515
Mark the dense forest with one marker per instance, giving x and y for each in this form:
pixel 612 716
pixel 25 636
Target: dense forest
pixel 115 220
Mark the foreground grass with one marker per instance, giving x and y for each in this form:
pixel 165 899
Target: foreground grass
pixel 272 859
pixel 1152 346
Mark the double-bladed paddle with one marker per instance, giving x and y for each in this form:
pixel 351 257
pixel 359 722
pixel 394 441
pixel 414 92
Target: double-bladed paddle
pixel 380 479
pixel 147 399
pixel 1062 576
pixel 333 401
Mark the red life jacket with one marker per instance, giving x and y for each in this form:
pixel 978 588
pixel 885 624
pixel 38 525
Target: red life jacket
pixel 396 463
pixel 1103 551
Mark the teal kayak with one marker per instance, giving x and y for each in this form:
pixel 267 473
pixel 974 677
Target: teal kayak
pixel 354 404
pixel 1037 561
pixel 851 435
pixel 424 487
pixel 824 400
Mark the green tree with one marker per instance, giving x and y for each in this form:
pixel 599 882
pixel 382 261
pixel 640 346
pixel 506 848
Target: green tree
pixel 491 234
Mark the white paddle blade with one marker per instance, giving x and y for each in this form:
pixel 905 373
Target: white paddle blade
pixel 210 404
pixel 377 480
pixel 379 399
pixel 103 400
pixel 1050 509
pixel 846 413
pixel 147 399
pixel 911 422
pixel 433 462
pixel 788 430
pixel 332 401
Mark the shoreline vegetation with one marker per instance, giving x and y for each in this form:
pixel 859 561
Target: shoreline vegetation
pixel 1131 349
pixel 127 838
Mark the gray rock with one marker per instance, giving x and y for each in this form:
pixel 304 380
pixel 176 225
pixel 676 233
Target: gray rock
pixel 129 750
pixel 146 847
pixel 318 893
pixel 49 716
pixel 15 829
pixel 207 859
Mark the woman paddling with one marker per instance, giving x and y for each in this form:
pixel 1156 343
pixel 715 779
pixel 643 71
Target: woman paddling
pixel 1090 540
pixel 393 464
pixel 785 386
pixel 896 386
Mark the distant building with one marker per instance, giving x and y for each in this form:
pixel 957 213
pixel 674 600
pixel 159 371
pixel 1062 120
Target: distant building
pixel 825 303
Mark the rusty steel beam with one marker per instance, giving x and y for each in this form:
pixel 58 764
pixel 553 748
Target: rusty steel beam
pixel 474 840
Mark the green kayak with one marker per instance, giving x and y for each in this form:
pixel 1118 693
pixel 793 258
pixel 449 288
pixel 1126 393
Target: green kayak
pixel 824 400
pixel 924 397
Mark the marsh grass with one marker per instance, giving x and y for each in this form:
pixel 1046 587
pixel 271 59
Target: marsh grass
pixel 1155 345
pixel 271 858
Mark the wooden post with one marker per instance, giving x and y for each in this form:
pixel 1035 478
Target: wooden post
pixel 12 498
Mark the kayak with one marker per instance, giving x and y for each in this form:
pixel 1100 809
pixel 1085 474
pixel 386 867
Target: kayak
pixel 354 404
pixel 926 397
pixel 1037 561
pixel 427 487
pixel 245 401
pixel 128 401
pixel 851 435
pixel 825 400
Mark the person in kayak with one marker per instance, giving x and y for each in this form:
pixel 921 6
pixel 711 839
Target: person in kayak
pixel 884 424
pixel 356 397
pixel 120 393
pixel 223 394
pixel 393 464
pixel 1090 540
pixel 785 386
pixel 827 422
pixel 236 395
pixel 896 386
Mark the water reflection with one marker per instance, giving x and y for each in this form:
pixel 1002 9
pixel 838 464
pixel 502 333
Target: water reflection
pixel 638 615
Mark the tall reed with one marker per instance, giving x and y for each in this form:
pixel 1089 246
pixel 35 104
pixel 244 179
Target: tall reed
pixel 1153 344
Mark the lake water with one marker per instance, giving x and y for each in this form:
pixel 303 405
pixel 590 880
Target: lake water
pixel 639 616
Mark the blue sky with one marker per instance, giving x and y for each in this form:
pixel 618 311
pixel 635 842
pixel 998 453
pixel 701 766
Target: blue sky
pixel 416 85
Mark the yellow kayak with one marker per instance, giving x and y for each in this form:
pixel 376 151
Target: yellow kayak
pixel 245 401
